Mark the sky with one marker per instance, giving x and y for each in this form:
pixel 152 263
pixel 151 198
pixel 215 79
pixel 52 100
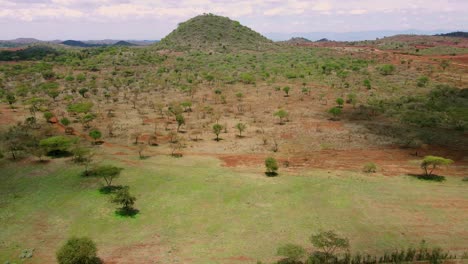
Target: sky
pixel 153 19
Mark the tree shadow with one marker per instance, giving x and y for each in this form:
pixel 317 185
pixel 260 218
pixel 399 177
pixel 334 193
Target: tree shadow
pixel 127 212
pixel 271 174
pixel 56 154
pixel 177 155
pixel 431 177
pixel 109 189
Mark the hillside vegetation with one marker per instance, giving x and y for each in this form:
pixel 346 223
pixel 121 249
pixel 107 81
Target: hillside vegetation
pixel 214 33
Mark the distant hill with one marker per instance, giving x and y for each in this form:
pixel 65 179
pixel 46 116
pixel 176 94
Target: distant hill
pixel 213 33
pixel 457 34
pixel 297 41
pixel 123 43
pixel 77 43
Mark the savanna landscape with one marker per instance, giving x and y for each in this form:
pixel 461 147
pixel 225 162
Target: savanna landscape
pixel 218 145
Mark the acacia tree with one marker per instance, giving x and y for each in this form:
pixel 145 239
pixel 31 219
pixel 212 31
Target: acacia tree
pixel 123 198
pixel 328 242
pixel 281 114
pixel 107 172
pixel 217 128
pixel 241 127
pixel 430 163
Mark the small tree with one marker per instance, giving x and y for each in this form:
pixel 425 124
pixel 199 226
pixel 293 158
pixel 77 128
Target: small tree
pixel 180 121
pixel 83 92
pixel 241 127
pixel 123 198
pixel 286 90
pixel 95 134
pixel 217 128
pixel 430 163
pixel 339 102
pixel 335 111
pixel 11 99
pixel 292 253
pixel 271 166
pixel 78 250
pixel 107 172
pixel 281 114
pixel 83 156
pixel 328 242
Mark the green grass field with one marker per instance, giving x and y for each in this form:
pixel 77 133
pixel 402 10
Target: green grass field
pixel 192 210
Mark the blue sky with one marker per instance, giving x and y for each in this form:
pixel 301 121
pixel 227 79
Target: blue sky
pixel 153 19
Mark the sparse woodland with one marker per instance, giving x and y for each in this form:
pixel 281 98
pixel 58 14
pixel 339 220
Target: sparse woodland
pixel 227 92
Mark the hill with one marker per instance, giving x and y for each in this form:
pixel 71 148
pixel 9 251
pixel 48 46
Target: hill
pixel 457 34
pixel 297 41
pixel 214 33
pixel 76 43
pixel 123 43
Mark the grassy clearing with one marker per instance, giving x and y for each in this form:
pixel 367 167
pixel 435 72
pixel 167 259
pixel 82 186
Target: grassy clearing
pixel 206 213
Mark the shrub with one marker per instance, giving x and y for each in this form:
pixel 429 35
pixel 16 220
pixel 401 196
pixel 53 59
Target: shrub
pixel 292 253
pixel 78 251
pixel 271 166
pixel 370 167
pixel 386 69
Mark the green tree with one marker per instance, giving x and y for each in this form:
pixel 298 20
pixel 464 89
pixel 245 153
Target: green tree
pixel 335 111
pixel 16 140
pixel 241 127
pixel 281 114
pixel 95 134
pixel 78 251
pixel 217 128
pixel 123 198
pixel 271 166
pixel 430 163
pixel 292 253
pixel 83 92
pixel 339 102
pixel 328 242
pixel 107 172
pixel 11 99
pixel 286 90
pixel 83 156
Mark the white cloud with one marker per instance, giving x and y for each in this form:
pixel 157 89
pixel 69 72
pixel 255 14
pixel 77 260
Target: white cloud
pixel 358 12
